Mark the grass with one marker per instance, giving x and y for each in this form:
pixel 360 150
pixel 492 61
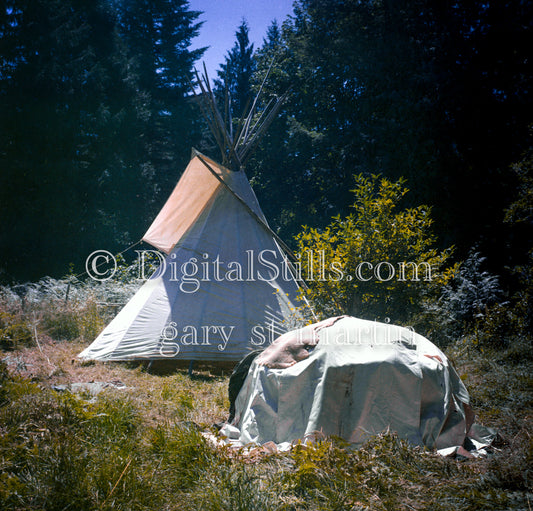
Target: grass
pixel 140 445
pixel 142 448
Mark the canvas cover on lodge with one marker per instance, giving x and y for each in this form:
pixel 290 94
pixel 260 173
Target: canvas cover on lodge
pixel 203 315
pixel 354 378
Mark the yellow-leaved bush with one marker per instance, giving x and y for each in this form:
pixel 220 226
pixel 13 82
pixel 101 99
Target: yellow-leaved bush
pixel 378 263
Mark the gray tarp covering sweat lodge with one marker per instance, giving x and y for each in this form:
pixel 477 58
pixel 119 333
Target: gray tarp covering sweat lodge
pixel 354 378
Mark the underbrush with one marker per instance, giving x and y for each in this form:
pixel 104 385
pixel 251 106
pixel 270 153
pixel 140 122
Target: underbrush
pixel 60 451
pixel 60 309
pixel 386 473
pixel 500 383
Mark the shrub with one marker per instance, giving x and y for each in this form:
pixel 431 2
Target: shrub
pixel 59 320
pixel 379 262
pixel 63 309
pixel 14 330
pixel 468 295
pixel 510 324
pixel 468 301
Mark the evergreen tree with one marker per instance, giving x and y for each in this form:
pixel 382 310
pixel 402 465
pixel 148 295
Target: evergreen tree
pixel 158 35
pixel 273 40
pixel 61 64
pixel 95 122
pixel 437 93
pixel 235 73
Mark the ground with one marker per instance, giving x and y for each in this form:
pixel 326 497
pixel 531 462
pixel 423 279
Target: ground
pixel 153 424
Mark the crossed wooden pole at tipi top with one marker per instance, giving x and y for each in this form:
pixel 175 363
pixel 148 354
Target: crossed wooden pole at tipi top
pixel 237 147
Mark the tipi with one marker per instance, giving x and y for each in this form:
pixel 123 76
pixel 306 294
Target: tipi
pixel 226 286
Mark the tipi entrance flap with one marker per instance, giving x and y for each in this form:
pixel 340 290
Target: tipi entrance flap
pixel 193 192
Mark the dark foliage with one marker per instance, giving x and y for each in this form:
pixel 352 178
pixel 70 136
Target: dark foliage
pixel 235 73
pixel 93 104
pixel 437 93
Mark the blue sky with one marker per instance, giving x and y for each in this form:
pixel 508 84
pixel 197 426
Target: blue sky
pixel 221 19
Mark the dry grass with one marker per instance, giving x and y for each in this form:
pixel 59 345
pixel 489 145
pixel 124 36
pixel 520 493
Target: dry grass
pixel 200 398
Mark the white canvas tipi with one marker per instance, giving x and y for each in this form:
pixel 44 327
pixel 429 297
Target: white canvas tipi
pixel 225 287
